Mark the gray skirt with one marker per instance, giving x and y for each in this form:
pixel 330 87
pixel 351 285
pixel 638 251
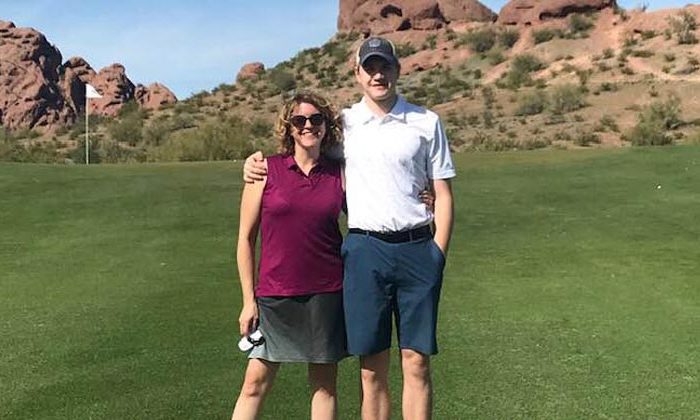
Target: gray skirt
pixel 308 329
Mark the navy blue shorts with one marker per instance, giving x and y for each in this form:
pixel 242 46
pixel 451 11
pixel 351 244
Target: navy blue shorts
pixel 385 279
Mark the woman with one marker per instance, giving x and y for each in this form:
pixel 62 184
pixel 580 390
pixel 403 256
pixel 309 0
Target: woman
pixel 297 299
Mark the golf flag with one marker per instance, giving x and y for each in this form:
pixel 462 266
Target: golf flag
pixel 91 92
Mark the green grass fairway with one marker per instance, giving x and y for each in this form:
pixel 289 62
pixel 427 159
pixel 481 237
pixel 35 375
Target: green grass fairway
pixel 572 291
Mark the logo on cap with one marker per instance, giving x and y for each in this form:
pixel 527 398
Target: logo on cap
pixel 374 43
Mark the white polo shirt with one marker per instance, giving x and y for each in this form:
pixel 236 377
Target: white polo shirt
pixel 389 161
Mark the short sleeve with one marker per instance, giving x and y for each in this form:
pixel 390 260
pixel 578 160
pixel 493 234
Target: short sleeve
pixel 439 159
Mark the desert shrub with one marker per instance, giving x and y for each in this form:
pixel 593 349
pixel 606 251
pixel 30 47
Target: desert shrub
pixel 606 123
pixel 648 34
pixel 608 87
pixel 543 35
pixel 283 80
pixel 337 50
pixel 77 154
pixel 669 57
pixel 487 116
pixel 224 139
pixel 603 67
pixel 26 133
pixel 566 98
pixel 34 152
pixel 157 132
pixel 534 142
pixel 489 96
pixel 683 25
pixel 129 127
pixel 495 57
pixel 430 42
pixel 608 53
pixel 520 68
pixel 579 24
pixel 406 49
pixel 654 123
pixel 532 103
pixel 479 41
pixel 586 138
pixel 508 38
pixel 642 53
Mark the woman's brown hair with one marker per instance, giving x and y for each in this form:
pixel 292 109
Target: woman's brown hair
pixel 334 123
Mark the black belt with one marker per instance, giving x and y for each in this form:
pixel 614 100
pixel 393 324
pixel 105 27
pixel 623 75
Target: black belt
pixel 397 237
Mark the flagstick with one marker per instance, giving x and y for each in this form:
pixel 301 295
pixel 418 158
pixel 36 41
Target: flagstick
pixel 87 139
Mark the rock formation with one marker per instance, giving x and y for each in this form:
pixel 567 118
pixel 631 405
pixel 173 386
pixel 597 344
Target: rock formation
pixel 38 91
pixel 250 71
pixel 154 96
pixel 529 12
pixel 384 16
pixel 30 94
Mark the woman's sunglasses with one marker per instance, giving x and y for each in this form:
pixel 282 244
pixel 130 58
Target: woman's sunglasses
pixel 299 121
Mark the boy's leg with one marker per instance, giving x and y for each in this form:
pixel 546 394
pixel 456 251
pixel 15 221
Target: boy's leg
pixel 367 300
pixel 418 285
pixel 374 372
pixel 417 385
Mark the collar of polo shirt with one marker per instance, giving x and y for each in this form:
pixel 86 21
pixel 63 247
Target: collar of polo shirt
pixel 398 112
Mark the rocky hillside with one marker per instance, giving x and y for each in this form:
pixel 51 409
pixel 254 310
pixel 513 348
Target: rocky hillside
pixel 554 73
pixel 38 91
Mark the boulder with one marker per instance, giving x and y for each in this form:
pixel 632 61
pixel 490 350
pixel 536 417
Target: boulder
pixel 530 12
pixel 30 95
pixel 154 96
pixel 250 71
pixel 384 16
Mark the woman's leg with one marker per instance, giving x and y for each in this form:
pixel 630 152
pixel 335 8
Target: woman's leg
pixel 257 382
pixel 324 402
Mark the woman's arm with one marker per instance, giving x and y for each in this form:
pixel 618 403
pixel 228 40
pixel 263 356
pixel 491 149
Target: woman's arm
pixel 251 206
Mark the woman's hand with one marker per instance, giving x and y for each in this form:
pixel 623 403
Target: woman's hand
pixel 248 320
pixel 428 198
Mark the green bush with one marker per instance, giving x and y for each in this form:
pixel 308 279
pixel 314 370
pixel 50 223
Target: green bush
pixel 479 41
pixel 283 80
pixel 532 103
pixel 127 130
pixel 683 25
pixel 224 139
pixel 607 123
pixel 642 53
pixel 648 34
pixel 579 23
pixel 520 68
pixel 586 138
pixel 566 98
pixel 430 42
pixel 406 49
pixel 508 38
pixel 654 123
pixel 543 35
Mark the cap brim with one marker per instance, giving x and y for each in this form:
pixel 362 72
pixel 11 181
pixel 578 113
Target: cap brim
pixel 388 57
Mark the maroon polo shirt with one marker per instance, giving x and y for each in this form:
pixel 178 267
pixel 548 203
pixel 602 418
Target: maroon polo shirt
pixel 300 249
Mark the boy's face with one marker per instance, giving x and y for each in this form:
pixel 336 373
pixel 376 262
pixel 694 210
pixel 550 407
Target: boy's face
pixel 378 78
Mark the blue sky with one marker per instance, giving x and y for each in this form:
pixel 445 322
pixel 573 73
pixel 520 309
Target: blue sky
pixel 191 45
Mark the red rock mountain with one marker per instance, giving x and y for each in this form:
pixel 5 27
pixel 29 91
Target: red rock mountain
pixel 38 91
pixel 530 12
pixel 384 16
